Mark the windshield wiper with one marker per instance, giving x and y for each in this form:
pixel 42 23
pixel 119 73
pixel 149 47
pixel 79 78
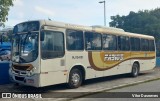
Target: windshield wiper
pixel 24 42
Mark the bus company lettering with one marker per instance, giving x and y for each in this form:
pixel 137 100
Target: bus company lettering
pixel 113 57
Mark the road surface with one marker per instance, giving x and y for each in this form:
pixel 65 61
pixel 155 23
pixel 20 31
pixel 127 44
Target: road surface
pixel 139 90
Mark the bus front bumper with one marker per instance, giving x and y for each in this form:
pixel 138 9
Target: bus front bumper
pixel 25 80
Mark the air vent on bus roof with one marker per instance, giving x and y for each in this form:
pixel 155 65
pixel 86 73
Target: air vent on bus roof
pixel 108 28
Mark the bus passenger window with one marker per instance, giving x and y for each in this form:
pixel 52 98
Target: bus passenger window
pixel 75 40
pixel 93 41
pixel 109 42
pixel 132 41
pixel 144 45
pixel 123 43
pixel 151 45
pixel 135 44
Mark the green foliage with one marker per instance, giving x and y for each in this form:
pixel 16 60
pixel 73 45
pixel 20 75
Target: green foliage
pixel 143 22
pixel 4 8
pixel 6 35
pixel 10 35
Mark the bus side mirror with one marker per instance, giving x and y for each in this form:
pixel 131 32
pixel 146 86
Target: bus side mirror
pixel 42 36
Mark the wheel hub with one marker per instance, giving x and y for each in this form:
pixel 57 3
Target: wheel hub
pixel 75 78
pixel 135 71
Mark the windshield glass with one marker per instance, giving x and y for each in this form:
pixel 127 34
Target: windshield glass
pixel 25 47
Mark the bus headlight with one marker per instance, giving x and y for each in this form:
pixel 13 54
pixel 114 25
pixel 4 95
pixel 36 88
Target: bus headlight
pixel 30 73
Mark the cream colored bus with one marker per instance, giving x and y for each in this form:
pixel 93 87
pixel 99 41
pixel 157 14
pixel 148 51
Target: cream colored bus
pixel 47 52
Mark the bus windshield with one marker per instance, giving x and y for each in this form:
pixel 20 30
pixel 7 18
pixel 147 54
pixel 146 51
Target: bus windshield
pixel 25 47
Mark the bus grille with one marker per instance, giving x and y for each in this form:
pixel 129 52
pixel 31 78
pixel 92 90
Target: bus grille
pixel 22 67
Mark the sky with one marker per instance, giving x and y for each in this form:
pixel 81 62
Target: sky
pixel 81 12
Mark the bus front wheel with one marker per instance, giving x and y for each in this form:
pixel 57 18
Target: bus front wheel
pixel 135 70
pixel 75 78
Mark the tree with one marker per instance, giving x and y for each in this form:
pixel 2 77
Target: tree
pixel 4 8
pixel 143 22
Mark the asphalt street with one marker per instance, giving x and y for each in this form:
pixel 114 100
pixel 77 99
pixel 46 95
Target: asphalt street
pixel 151 87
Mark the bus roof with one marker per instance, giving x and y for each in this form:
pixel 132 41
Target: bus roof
pixel 108 28
pixel 97 28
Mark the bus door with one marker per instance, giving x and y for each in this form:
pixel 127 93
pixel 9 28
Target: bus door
pixel 52 55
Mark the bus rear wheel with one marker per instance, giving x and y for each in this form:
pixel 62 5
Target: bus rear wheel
pixel 135 70
pixel 75 78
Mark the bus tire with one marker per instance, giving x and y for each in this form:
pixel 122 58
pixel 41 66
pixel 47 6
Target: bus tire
pixel 135 70
pixel 75 78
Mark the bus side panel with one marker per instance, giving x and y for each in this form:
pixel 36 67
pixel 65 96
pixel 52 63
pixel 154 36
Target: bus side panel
pixel 118 62
pixel 146 60
pixel 52 71
pixel 79 58
pixel 52 78
pixel 148 64
pixel 97 62
pixel 82 58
